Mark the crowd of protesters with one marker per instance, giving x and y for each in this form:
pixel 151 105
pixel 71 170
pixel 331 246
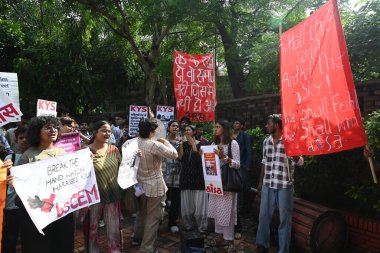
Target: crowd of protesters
pixel 171 176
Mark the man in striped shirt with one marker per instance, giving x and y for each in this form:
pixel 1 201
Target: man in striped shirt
pixel 275 187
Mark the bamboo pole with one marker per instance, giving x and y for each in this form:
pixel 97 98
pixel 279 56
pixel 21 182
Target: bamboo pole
pixel 371 165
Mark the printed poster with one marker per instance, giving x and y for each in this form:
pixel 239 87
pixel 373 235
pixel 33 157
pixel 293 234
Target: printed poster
pixel 320 109
pixel 69 142
pixel 165 114
pixel 51 189
pixel 135 114
pixel 211 170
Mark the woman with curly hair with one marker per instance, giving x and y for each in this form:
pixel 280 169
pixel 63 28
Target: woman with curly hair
pixel 42 133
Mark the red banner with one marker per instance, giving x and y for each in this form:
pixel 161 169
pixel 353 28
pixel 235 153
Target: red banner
pixel 320 110
pixel 194 86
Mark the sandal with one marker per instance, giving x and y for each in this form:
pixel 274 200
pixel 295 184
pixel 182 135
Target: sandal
pixel 230 247
pixel 238 236
pixel 217 240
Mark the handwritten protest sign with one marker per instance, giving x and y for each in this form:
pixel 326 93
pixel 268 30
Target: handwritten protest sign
pixel 8 111
pixel 51 189
pixel 320 111
pixel 46 108
pixel 194 86
pixel 9 85
pixel 211 170
pixel 69 142
pixel 165 114
pixel 135 114
pixel 129 164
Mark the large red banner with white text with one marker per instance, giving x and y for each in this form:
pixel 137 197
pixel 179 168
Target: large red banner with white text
pixel 194 86
pixel 320 110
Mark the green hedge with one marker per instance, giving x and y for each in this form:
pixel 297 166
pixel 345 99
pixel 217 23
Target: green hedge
pixel 341 180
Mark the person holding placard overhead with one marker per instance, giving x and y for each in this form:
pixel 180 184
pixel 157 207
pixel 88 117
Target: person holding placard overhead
pixel 42 133
pixel 275 187
pixel 149 176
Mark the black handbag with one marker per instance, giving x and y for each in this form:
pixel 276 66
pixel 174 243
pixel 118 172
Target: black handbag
pixel 232 179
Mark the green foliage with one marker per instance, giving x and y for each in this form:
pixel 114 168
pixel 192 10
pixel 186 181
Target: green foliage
pixel 257 137
pixel 11 41
pixel 340 180
pixel 362 31
pixel 372 126
pixel 343 180
pixel 367 191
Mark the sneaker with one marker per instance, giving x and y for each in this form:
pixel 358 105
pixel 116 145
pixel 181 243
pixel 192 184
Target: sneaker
pixel 174 229
pixel 135 241
pixel 101 223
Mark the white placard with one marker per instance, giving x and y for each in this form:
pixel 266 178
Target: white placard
pixel 8 111
pixel 165 114
pixel 129 164
pixel 9 85
pixel 51 189
pixel 135 114
pixel 46 108
pixel 211 170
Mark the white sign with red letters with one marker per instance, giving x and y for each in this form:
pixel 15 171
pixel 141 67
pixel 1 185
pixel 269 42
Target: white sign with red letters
pixel 46 108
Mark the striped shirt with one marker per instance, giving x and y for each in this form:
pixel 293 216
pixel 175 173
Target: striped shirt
pixel 149 174
pixel 106 170
pixel 275 163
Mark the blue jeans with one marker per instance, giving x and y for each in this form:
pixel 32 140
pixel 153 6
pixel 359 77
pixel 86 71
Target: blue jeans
pixel 271 198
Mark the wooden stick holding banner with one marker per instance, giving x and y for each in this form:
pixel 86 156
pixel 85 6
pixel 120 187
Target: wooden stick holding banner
pixel 369 154
pixel 372 166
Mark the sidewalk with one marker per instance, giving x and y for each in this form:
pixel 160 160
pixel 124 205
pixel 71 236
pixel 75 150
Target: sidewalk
pixel 168 242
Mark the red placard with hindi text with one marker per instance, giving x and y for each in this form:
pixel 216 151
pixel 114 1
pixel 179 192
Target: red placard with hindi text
pixel 320 110
pixel 194 86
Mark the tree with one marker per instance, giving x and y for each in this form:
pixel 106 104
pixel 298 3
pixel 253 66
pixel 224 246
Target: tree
pixel 68 56
pixel 363 41
pixel 144 24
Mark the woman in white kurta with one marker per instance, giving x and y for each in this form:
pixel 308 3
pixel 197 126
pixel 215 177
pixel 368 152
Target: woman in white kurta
pixel 223 208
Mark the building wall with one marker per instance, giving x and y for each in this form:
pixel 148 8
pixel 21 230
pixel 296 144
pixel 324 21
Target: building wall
pixel 255 109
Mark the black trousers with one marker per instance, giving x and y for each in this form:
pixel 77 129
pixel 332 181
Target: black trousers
pixel 10 231
pixel 59 235
pixel 174 195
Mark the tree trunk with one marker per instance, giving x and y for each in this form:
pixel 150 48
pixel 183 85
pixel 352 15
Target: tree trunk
pixel 233 62
pixel 150 84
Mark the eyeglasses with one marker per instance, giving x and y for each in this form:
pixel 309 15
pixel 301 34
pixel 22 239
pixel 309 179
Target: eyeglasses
pixel 50 129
